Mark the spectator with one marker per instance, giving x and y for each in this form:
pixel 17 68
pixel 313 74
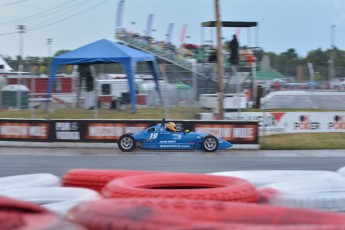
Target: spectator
pixel 233 47
pixel 213 56
pixel 248 56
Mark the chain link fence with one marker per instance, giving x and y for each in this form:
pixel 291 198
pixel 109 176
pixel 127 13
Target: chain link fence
pixel 180 87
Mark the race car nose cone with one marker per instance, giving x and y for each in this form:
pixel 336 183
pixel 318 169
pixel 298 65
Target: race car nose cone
pixel 224 145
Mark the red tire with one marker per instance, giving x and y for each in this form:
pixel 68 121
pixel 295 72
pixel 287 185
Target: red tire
pixel 179 185
pixel 235 226
pixel 153 213
pixel 16 214
pixel 96 178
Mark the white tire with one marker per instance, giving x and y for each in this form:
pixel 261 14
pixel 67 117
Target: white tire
pixel 56 199
pixel 29 181
pixel 326 201
pixel 341 171
pixel 323 193
pixel 310 184
pixel 260 178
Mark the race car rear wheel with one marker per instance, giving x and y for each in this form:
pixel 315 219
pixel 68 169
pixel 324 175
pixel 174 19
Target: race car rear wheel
pixel 126 143
pixel 209 143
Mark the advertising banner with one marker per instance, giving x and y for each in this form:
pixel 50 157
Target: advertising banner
pixel 109 131
pixel 242 132
pixel 19 130
pixel 293 122
pixel 67 130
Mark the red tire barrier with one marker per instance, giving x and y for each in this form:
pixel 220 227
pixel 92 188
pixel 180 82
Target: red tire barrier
pixel 159 213
pixel 208 226
pixel 96 178
pixel 180 185
pixel 21 215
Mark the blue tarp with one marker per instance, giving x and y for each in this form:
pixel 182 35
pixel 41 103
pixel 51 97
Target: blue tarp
pixel 105 51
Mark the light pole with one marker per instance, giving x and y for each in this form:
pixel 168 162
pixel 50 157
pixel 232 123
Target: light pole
pixel 332 35
pixel 331 58
pixel 21 30
pixel 333 51
pixel 49 42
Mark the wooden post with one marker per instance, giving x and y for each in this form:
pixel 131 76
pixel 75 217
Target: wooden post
pixel 220 62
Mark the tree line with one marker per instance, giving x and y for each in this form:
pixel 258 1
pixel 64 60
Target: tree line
pixel 287 62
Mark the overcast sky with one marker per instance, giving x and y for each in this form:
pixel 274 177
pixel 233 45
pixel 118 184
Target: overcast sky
pixel 302 25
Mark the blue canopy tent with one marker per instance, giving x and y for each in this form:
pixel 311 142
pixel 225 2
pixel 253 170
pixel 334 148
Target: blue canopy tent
pixel 105 51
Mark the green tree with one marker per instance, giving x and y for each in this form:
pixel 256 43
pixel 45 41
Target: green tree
pixel 339 62
pixel 287 62
pixel 319 59
pixel 59 52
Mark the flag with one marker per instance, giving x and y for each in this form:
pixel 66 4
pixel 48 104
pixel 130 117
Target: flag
pixel 119 14
pixel 183 34
pixel 149 25
pixel 169 32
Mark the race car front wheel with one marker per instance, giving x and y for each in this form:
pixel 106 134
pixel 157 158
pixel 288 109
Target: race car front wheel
pixel 209 143
pixel 126 143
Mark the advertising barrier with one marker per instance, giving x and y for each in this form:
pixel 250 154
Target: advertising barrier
pixel 108 131
pixel 293 122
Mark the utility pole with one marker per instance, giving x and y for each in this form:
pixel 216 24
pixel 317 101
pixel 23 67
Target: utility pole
pixel 220 62
pixel 49 42
pixel 49 49
pixel 21 30
pixel 331 58
pixel 333 53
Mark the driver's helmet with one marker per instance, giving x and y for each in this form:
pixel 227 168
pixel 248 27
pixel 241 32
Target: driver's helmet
pixel 171 126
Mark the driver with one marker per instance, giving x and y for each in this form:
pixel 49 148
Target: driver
pixel 171 126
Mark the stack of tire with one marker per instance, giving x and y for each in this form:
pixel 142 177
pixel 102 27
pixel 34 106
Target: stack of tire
pixel 17 214
pixel 97 199
pixel 37 202
pixel 164 200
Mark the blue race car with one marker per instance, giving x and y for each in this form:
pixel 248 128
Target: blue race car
pixel 165 136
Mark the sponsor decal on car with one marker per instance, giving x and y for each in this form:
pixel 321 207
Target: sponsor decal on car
pixel 176 136
pixel 174 146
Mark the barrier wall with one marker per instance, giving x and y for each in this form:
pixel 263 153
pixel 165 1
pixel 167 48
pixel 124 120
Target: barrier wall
pixel 293 122
pixel 108 131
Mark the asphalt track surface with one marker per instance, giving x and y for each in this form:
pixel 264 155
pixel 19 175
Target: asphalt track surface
pixel 24 160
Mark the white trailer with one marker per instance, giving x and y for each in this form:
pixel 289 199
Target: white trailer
pixel 231 101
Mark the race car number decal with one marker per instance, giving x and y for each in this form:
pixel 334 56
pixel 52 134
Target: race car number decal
pixel 153 135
